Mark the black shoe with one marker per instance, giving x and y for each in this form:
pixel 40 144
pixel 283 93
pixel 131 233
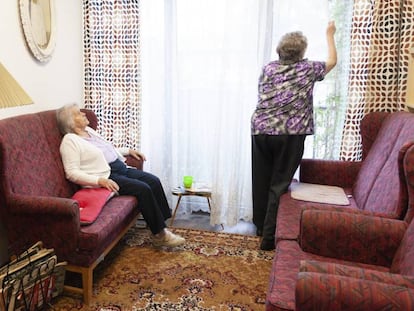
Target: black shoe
pixel 259 232
pixel 267 245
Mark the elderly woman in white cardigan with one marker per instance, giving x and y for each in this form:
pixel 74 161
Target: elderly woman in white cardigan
pixel 90 161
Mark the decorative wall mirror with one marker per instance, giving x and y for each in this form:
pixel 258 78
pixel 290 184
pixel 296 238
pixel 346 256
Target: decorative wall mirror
pixel 38 21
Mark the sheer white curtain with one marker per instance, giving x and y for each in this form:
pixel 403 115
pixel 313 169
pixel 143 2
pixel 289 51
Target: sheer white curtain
pixel 200 66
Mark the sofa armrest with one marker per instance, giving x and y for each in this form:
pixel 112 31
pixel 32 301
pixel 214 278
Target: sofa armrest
pixel 52 220
pixel 39 205
pixel 329 172
pixel 318 291
pixel 349 236
pixel 408 175
pixel 131 161
pixel 356 272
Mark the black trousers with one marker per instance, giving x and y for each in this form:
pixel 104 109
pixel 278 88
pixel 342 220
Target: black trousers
pixel 147 189
pixel 275 159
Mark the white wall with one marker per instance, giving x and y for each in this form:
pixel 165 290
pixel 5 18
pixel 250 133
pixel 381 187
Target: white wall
pixel 56 82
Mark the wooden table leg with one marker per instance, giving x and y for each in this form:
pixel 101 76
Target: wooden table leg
pixel 175 210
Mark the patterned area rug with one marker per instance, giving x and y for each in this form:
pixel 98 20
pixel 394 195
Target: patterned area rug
pixel 212 271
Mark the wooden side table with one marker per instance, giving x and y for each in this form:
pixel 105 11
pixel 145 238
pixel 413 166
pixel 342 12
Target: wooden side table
pixel 182 192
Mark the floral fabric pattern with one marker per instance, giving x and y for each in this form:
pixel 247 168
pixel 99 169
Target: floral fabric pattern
pixel 285 103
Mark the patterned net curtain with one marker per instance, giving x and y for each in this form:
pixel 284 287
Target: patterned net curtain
pixel 381 37
pixel 112 68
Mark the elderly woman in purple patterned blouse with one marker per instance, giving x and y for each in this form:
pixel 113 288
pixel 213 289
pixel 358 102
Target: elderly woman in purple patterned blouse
pixel 279 125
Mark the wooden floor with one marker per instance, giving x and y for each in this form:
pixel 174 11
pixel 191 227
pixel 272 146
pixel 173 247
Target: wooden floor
pixel 201 220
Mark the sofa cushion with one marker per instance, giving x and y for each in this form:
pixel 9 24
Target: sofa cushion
pixel 91 201
pixel 288 215
pixel 285 269
pixel 320 291
pixel 93 239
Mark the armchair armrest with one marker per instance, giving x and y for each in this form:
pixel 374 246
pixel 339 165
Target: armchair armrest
pixel 318 291
pixel 52 220
pixel 329 172
pixel 349 236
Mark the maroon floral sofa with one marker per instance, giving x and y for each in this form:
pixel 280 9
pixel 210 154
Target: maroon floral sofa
pixel 375 186
pixel 36 204
pixel 326 254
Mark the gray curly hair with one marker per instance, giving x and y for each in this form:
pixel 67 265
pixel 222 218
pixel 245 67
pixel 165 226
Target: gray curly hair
pixel 65 119
pixel 292 47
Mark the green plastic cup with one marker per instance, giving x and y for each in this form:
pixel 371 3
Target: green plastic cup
pixel 188 181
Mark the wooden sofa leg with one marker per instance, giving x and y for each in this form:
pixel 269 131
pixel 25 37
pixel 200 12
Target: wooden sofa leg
pixel 87 283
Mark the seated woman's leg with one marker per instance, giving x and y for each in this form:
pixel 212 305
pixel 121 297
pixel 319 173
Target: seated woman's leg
pixel 156 187
pixel 147 202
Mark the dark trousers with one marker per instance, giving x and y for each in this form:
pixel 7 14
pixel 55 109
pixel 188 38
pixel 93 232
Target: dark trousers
pixel 147 189
pixel 275 159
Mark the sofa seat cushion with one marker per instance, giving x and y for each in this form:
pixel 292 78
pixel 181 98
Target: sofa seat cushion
pixel 284 273
pixel 91 201
pixel 290 210
pixel 114 217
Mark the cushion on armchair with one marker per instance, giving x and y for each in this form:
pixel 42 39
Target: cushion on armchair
pixel 320 291
pixel 91 201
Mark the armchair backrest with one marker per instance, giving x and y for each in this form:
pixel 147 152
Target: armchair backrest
pixel 380 185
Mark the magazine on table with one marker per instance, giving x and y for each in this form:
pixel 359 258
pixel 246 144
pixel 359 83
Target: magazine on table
pixel 195 188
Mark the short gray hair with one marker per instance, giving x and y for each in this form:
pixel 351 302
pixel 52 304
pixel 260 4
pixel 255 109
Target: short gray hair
pixel 292 47
pixel 64 118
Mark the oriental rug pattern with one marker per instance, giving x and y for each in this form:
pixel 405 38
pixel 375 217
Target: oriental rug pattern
pixel 212 271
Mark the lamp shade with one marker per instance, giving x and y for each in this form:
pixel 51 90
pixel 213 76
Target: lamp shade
pixel 11 93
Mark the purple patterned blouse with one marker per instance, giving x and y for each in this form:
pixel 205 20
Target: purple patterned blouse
pixel 285 104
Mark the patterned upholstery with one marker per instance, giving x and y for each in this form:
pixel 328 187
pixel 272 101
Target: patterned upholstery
pixel 375 241
pixel 35 195
pixel 314 292
pixel 344 261
pixel 376 186
pixel 370 124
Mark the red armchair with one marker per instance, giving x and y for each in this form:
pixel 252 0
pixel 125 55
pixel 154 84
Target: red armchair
pixel 344 261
